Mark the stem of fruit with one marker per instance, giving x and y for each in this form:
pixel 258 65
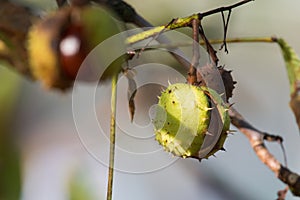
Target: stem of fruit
pixel 112 136
pixel 174 24
pixel 192 73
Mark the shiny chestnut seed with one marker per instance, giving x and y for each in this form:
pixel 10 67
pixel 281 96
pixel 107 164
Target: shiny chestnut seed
pixel 72 51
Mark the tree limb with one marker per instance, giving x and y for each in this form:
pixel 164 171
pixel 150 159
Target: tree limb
pixel 256 139
pixel 128 14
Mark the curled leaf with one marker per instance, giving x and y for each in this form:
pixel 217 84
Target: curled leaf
pixel 131 92
pixel 292 63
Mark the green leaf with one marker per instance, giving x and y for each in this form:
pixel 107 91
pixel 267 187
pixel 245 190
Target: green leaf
pixel 292 63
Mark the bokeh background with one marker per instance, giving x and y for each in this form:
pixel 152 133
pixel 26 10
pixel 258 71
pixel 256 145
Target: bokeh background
pixel 39 136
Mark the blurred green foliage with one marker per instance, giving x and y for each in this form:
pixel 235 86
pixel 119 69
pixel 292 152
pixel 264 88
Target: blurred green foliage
pixel 10 180
pixel 79 189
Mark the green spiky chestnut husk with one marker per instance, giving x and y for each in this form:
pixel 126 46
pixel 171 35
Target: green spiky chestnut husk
pixel 183 118
pixel 55 68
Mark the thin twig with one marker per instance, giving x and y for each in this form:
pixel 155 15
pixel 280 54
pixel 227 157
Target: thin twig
pixel 225 25
pixel 222 9
pixel 180 22
pixel 212 52
pixel 174 51
pixel 112 136
pixel 276 138
pixel 228 40
pixel 128 14
pixel 256 139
